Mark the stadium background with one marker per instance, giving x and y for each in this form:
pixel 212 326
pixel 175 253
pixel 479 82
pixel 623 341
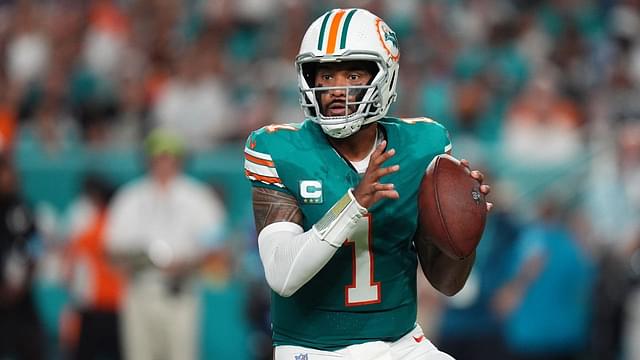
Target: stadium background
pixel 544 96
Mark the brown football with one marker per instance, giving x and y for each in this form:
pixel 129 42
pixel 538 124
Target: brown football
pixel 451 209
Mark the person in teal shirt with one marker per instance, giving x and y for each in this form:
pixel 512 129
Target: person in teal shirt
pixel 546 303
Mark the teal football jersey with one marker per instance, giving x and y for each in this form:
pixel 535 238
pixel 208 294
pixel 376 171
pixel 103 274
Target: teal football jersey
pixel 367 291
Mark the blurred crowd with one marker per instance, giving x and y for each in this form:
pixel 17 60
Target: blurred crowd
pixel 543 95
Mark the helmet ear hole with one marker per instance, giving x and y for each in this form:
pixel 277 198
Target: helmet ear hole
pixel 312 109
pixel 309 73
pixel 372 68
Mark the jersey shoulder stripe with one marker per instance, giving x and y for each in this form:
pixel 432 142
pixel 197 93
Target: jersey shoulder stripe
pixel 264 179
pixel 269 153
pixel 260 167
pixel 258 161
pixel 257 154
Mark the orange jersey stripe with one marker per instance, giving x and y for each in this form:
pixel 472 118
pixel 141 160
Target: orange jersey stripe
pixel 258 161
pixel 267 179
pixel 333 32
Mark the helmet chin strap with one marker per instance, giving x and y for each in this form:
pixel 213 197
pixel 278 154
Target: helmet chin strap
pixel 343 130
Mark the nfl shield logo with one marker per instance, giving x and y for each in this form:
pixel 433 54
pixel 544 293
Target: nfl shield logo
pixel 301 357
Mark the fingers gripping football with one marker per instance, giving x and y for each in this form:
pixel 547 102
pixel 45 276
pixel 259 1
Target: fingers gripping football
pixel 478 175
pixel 370 190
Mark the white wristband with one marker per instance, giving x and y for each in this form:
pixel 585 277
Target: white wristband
pixel 340 221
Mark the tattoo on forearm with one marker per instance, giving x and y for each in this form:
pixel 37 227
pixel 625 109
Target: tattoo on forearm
pixel 271 206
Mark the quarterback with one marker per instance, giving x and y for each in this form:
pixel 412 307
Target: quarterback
pixel 335 202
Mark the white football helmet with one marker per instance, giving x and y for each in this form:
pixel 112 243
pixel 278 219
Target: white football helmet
pixel 349 35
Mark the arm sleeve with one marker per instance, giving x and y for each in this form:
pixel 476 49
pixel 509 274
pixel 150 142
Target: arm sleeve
pixel 291 257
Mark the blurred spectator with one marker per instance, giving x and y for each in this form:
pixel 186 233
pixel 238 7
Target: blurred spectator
pixel 543 116
pixel 547 300
pixel 96 121
pixel 21 336
pixel 105 38
pixel 613 208
pixel 159 230
pixel 8 115
pixel 572 57
pixel 632 306
pixel 613 199
pixel 28 49
pixel 533 41
pixel 629 162
pixel 95 286
pixel 52 131
pixel 194 104
pixel 48 155
pixel 130 122
pixel 613 286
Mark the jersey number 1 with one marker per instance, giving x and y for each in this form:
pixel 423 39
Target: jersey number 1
pixel 363 290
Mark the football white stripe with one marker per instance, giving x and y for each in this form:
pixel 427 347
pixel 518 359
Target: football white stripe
pixel 447 147
pixel 259 155
pixel 260 169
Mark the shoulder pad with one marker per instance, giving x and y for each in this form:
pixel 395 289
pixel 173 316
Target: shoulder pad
pixel 259 166
pixel 424 127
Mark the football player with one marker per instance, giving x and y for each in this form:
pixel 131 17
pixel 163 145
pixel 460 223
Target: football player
pixel 335 202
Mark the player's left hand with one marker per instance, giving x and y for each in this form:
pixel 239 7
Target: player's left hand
pixel 479 176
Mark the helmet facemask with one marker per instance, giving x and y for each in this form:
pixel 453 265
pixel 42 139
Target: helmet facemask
pixel 363 108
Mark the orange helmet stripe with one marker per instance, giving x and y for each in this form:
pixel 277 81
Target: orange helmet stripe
pixel 333 31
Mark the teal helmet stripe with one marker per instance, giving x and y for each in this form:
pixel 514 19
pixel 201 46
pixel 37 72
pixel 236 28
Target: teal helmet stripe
pixel 345 28
pixel 323 28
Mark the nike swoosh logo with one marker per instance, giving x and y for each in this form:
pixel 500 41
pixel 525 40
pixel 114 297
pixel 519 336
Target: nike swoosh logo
pixel 418 338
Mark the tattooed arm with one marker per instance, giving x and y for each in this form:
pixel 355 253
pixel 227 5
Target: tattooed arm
pixel 282 240
pixel 271 206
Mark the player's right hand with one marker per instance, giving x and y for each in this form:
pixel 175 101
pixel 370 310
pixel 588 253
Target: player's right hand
pixel 370 190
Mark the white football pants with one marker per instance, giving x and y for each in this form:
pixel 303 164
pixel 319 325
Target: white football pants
pixel 413 346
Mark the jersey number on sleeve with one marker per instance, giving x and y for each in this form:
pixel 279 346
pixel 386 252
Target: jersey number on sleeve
pixel 363 290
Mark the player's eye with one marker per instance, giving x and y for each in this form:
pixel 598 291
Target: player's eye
pixel 354 77
pixel 326 77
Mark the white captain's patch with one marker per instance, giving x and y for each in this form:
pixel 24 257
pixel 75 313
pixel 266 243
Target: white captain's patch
pixel 311 191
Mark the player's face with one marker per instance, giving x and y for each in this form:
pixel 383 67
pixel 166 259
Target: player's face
pixel 334 102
